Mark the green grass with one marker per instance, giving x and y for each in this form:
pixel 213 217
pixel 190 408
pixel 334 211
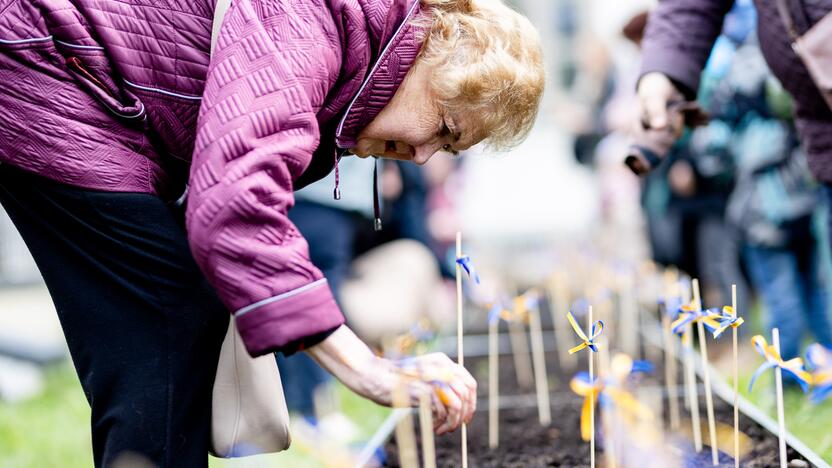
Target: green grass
pixel 53 429
pixel 50 430
pixel 808 422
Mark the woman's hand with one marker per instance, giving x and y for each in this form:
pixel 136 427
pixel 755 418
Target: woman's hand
pixel 655 90
pixel 452 390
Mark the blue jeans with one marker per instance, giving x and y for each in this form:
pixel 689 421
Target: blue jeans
pixel 792 283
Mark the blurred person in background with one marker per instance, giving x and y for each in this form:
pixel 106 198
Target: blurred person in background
pixel 678 41
pixel 772 204
pixel 106 126
pixel 775 202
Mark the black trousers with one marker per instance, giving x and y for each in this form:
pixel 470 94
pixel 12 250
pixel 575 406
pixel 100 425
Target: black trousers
pixel 143 326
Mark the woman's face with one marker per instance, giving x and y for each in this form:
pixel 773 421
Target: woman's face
pixel 412 127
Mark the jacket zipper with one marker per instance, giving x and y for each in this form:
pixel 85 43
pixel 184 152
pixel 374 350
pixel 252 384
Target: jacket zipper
pixel 78 65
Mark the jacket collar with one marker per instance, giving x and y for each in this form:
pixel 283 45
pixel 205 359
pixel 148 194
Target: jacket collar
pixel 399 41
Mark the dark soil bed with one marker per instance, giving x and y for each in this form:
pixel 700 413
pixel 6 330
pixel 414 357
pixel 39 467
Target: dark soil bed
pixel 524 443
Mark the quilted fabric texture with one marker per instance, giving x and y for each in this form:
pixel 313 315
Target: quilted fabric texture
pixel 678 40
pixel 121 95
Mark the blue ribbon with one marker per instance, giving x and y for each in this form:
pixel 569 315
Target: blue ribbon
pixel 468 266
pixel 793 367
pixel 672 306
pixel 819 359
pixel 494 313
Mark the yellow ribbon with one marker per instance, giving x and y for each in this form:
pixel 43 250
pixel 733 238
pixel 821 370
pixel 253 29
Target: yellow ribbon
pixel 773 359
pixel 726 320
pixel 588 342
pixel 620 368
pixel 581 385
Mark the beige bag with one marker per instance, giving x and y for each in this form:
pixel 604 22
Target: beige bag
pixel 813 48
pixel 249 414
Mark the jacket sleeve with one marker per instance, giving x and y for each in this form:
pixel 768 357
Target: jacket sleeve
pixel 256 133
pixel 679 38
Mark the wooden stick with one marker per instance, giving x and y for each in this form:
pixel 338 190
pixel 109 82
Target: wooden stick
pixel 558 309
pixel 459 351
pixel 670 373
pixel 541 378
pixel 405 437
pixel 628 340
pixel 684 294
pixel 606 416
pixel 781 417
pixel 690 381
pixel 706 377
pixel 493 385
pixel 520 353
pixel 592 397
pixel 736 383
pixel 426 426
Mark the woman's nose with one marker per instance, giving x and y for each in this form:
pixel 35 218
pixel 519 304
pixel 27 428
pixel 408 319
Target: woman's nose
pixel 424 152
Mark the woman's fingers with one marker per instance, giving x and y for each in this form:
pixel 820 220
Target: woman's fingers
pixel 654 92
pixel 454 390
pixel 453 405
pixel 466 409
pixel 440 413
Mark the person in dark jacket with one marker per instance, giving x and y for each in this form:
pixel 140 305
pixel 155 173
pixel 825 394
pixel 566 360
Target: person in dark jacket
pixel 680 35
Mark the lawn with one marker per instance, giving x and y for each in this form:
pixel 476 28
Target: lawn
pixel 52 430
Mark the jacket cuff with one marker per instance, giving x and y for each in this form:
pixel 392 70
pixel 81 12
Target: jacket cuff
pixel 282 322
pixel 684 73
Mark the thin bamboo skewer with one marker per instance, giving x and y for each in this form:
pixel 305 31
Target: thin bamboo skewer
pixel 706 377
pixel 592 397
pixel 559 305
pixel 405 437
pixel 690 382
pixel 670 373
pixel 493 385
pixel 426 428
pixel 606 416
pixel 736 383
pixel 520 352
pixel 781 417
pixel 459 348
pixel 541 382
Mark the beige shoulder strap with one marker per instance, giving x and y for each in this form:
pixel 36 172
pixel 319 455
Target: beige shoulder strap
pixel 219 13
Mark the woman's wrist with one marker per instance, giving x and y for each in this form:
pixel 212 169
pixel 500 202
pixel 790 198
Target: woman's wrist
pixel 352 362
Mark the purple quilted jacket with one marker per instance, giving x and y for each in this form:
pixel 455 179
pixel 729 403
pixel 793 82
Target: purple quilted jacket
pixel 121 95
pixel 681 33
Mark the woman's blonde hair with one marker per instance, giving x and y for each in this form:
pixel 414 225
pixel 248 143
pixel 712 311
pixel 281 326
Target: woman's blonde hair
pixel 487 63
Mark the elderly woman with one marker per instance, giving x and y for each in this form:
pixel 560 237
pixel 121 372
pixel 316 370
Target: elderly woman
pixel 114 110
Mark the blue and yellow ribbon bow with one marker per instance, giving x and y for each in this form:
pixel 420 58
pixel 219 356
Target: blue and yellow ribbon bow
pixel 467 265
pixel 819 359
pixel 581 385
pixel 727 319
pixel 609 393
pixel 672 306
pixel 793 367
pixel 688 314
pixel 588 342
pixel 498 312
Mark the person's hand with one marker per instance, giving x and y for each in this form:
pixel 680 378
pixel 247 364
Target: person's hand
pixel 655 92
pixel 452 390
